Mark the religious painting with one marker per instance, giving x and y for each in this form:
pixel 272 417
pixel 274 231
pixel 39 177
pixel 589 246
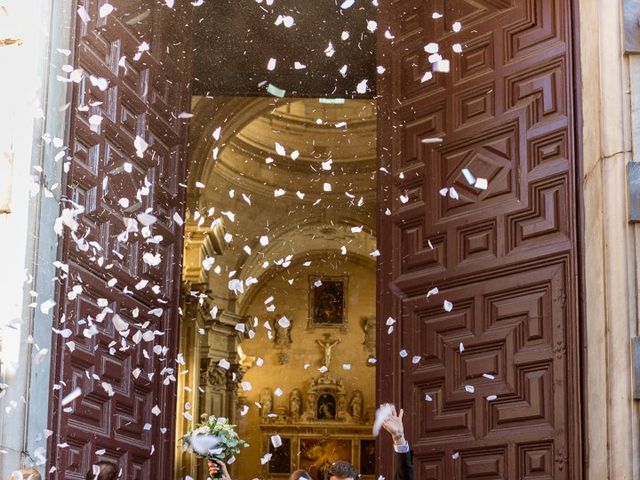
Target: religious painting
pixel 317 455
pixel 327 305
pixel 280 462
pixel 326 407
pixel 367 457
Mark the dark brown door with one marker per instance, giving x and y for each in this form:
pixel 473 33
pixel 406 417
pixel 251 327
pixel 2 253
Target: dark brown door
pixel 123 375
pixel 505 257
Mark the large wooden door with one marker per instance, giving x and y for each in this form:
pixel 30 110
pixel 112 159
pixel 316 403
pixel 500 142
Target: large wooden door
pixel 505 257
pixel 135 74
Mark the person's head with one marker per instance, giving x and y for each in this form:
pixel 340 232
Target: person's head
pixel 342 470
pixel 103 471
pixel 26 474
pixel 300 475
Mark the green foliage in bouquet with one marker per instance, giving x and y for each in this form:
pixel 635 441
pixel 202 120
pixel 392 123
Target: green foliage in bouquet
pixel 223 439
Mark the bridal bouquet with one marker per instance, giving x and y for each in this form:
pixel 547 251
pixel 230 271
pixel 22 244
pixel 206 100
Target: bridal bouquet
pixel 214 439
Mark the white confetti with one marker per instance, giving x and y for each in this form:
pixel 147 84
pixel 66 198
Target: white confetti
pixel 105 10
pixel 47 305
pixel 442 66
pixel 38 357
pixel 71 396
pixel 470 388
pixel 94 123
pixel 481 184
pixel 491 398
pixel 140 146
pixel 271 65
pixel 284 322
pixel 84 16
pixel 431 48
pixel 382 414
pixel 447 305
pixel 329 51
pixel 361 88
pixel 119 324
pixel 276 441
pixel 468 176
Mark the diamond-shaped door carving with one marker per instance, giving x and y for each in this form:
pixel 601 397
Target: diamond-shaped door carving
pixel 506 404
pixel 122 377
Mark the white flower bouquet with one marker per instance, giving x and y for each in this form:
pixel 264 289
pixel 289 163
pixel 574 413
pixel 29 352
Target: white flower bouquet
pixel 214 439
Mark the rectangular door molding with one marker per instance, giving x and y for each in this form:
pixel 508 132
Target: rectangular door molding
pixel 505 256
pixel 132 81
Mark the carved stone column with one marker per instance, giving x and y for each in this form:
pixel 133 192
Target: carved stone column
pixel 221 385
pixel 200 243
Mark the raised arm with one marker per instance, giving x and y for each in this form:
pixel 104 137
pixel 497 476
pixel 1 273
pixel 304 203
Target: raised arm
pixel 403 458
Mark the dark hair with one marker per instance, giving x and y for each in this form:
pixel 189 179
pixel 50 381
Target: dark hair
pixel 108 471
pixel 300 475
pixel 342 469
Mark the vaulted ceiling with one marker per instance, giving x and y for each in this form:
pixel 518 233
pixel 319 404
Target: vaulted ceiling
pixel 269 177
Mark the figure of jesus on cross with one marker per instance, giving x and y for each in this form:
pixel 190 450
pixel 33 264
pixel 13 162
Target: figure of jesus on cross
pixel 327 345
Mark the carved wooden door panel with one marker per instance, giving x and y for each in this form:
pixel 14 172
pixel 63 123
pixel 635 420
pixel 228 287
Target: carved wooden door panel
pixel 504 256
pixel 119 289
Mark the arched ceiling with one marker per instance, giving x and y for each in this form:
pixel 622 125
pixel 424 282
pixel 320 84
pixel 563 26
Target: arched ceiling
pixel 259 192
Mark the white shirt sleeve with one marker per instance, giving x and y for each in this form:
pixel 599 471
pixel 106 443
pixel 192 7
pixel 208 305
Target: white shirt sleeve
pixel 401 448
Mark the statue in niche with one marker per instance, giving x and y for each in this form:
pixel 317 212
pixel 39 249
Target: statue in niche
pixel 327 345
pixel 343 414
pixel 266 402
pixel 368 325
pixel 326 407
pixel 295 403
pixel 283 336
pixel 283 358
pixel 309 408
pixel 283 342
pixel 356 405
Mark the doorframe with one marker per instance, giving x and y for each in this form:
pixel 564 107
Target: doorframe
pixel 610 415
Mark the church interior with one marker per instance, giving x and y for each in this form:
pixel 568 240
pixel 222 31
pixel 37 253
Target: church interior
pixel 279 282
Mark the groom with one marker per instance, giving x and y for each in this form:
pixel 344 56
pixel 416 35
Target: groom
pixel 403 457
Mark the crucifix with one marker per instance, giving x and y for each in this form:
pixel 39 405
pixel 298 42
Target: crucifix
pixel 327 345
